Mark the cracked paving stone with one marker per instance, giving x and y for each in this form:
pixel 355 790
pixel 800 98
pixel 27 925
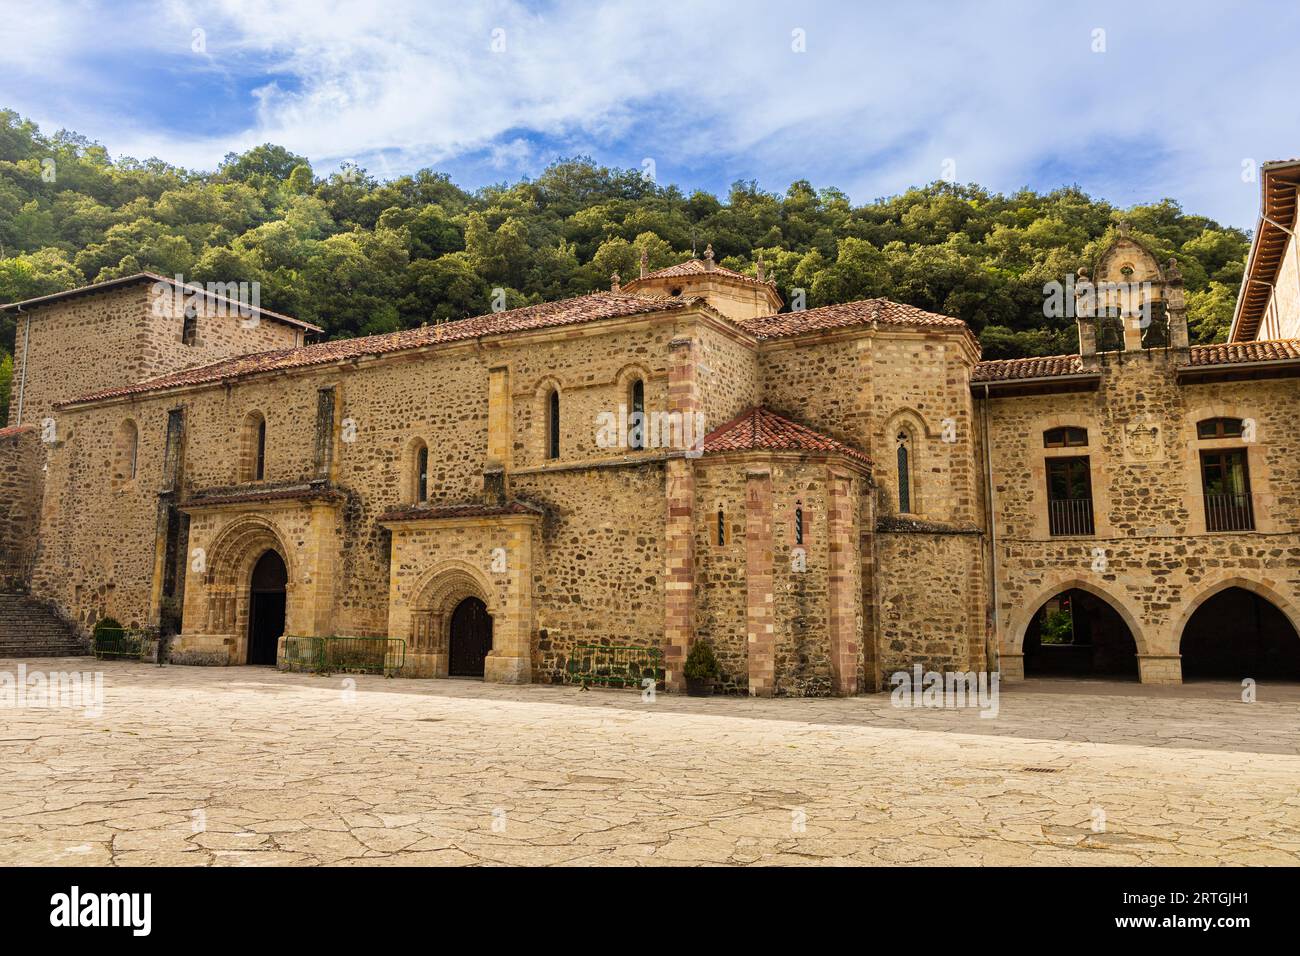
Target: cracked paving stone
pixel 281 769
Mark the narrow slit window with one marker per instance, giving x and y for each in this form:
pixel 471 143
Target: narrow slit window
pixel 722 526
pixel 637 424
pixel 904 475
pixel 798 522
pixel 422 475
pixel 553 425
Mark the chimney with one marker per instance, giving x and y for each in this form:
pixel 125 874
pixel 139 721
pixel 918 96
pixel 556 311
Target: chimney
pixel 614 283
pixel 758 268
pixel 645 263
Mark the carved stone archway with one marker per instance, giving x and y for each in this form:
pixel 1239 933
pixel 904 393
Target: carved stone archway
pixel 441 590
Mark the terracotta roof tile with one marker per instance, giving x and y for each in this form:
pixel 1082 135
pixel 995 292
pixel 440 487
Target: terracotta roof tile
pixel 845 315
pixel 14 431
pixel 468 510
pixel 587 308
pixel 1236 352
pixel 1003 370
pixel 697 267
pixel 758 429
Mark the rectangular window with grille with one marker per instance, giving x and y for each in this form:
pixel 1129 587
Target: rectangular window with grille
pixel 1069 496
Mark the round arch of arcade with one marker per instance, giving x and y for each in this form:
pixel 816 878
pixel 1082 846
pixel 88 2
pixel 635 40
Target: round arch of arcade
pixel 439 592
pixel 230 561
pixel 1019 623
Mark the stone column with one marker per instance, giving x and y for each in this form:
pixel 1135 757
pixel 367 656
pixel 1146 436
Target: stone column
pixel 1160 668
pixel 760 616
pixel 843 619
pixel 510 660
pixel 679 525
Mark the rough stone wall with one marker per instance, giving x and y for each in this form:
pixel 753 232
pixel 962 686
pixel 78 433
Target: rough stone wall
pixel 929 602
pixel 92 342
pixel 728 376
pixel 800 609
pixel 97 535
pixel 21 458
pixel 720 570
pixel 598 571
pixel 1158 561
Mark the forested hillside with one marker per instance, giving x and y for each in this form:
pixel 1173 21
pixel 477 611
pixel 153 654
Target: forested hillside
pixel 357 255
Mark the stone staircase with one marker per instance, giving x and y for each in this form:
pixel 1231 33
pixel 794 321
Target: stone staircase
pixel 29 629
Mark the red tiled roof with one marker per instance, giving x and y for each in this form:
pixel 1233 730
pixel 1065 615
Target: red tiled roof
pixel 1237 352
pixel 13 431
pixel 587 308
pixel 1002 370
pixel 697 267
pixel 154 277
pixel 763 430
pixel 469 510
pixel 862 312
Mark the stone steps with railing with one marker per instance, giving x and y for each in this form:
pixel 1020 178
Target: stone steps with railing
pixel 30 629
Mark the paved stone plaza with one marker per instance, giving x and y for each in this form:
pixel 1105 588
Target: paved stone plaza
pixel 246 766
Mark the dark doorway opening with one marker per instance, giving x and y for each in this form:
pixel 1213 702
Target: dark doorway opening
pixel 1077 634
pixel 1237 634
pixel 266 608
pixel 471 638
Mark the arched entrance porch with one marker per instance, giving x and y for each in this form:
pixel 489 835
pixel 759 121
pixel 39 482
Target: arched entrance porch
pixel 1239 630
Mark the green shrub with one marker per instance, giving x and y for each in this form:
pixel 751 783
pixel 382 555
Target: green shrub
pixel 700 662
pixel 1058 628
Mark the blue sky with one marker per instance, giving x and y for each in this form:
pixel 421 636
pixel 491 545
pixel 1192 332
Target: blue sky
pixel 1133 101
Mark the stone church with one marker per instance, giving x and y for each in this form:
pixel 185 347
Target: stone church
pixel 825 496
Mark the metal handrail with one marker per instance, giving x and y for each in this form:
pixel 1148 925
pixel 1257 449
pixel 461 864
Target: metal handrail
pixel 1070 516
pixel 1229 512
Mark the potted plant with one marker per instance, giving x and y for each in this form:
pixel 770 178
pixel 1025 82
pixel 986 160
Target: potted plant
pixel 701 670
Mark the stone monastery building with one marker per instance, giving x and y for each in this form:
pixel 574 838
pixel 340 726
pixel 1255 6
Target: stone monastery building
pixel 825 496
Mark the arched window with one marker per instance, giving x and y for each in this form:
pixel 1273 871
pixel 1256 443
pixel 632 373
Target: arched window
pixel 420 474
pixel 126 451
pixel 636 421
pixel 252 452
pixel 1219 428
pixel 798 522
pixel 553 425
pixel 1065 437
pixel 904 473
pixel 190 326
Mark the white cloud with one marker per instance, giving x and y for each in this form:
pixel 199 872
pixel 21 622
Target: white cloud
pixel 879 100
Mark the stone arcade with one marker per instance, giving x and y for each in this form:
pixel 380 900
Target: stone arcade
pixel 870 496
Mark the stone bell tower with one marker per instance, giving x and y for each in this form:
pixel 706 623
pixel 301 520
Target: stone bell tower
pixel 1128 303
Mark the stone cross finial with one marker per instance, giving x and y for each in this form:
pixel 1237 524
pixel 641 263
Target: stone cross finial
pixel 645 262
pixel 758 269
pixel 614 283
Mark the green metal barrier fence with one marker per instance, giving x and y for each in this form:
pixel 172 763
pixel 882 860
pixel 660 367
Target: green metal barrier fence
pixel 123 643
pixel 303 653
pixel 615 665
pixel 343 654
